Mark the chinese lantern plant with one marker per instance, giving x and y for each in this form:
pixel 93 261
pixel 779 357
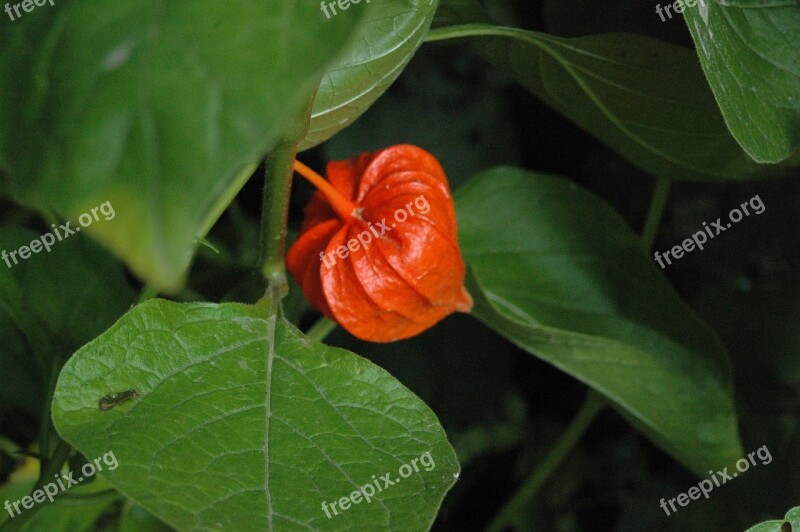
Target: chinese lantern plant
pixel 400 271
pixel 233 416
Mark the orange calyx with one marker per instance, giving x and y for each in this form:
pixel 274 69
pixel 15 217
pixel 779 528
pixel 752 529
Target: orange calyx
pixel 345 208
pixel 381 288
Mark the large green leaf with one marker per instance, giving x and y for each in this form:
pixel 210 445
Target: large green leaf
pixel 134 518
pixel 643 98
pixel 749 51
pixel 245 424
pixel 158 107
pixel 382 46
pixel 560 274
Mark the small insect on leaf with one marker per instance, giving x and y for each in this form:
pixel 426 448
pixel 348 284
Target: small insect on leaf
pixel 107 402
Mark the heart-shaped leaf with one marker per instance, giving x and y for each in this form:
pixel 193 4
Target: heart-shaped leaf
pixel 158 107
pixel 749 51
pixel 560 274
pixel 238 421
pixel 643 98
pixel 382 46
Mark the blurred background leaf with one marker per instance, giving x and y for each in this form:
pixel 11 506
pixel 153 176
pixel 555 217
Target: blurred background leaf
pixel 160 109
pixel 621 88
pixel 384 42
pixel 566 296
pixel 750 57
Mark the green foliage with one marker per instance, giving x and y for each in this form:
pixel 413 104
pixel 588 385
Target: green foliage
pixel 246 424
pixel 643 98
pixel 749 50
pixel 159 108
pixel 224 414
pixel 566 297
pixel 51 304
pixel 383 44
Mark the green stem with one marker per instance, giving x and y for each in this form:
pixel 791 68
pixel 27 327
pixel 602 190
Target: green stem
pixel 514 508
pixel 275 204
pixel 148 292
pixel 52 466
pixel 463 30
pixel 320 330
pixel 275 212
pixel 656 212
pixel 46 422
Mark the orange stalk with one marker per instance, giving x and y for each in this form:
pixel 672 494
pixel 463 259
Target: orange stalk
pixel 343 207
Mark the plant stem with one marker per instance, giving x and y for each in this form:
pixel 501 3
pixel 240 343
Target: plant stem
pixel 592 405
pixel 320 330
pixel 655 213
pixel 275 203
pixel 52 465
pixel 46 423
pixel 275 212
pixel 148 292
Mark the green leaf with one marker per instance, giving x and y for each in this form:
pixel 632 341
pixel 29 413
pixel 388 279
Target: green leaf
pixel 71 294
pixel 749 54
pixel 382 46
pixel 757 4
pixel 645 99
pixel 478 135
pixel 789 523
pixel 159 108
pixel 137 519
pixel 50 305
pixel 559 273
pixel 245 424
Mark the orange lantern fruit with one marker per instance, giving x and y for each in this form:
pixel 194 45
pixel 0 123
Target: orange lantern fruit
pixel 378 250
